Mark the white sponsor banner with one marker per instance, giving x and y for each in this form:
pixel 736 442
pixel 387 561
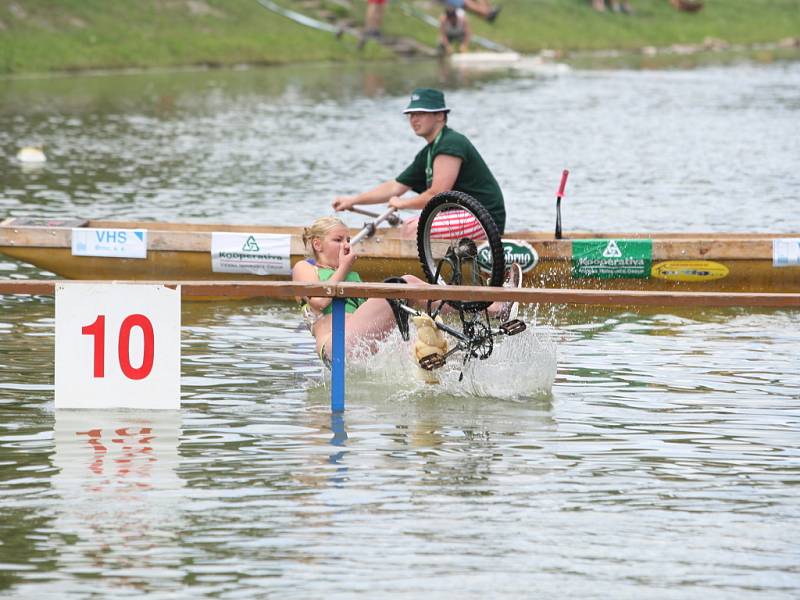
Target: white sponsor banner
pixel 258 253
pixel 117 346
pixel 116 243
pixel 786 252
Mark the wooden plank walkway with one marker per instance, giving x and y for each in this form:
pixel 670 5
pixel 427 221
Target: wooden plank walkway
pixel 287 289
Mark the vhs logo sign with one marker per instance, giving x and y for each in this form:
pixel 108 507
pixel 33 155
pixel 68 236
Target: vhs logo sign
pixel 612 259
pixel 113 243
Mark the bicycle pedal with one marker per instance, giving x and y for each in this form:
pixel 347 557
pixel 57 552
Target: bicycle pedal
pixel 432 361
pixel 513 327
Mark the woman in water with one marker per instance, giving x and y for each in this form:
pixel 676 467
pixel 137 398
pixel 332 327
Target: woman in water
pixel 367 321
pixel 331 258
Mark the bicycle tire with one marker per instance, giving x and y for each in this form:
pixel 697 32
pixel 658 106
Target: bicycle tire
pixel 431 250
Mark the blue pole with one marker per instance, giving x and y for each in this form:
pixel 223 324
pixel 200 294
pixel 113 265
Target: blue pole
pixel 337 356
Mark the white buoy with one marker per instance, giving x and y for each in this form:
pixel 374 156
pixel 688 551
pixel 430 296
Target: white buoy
pixel 31 155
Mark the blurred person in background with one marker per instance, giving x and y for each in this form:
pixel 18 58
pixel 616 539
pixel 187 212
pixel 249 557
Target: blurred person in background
pixel 482 8
pixel 373 21
pixel 624 6
pixel 454 30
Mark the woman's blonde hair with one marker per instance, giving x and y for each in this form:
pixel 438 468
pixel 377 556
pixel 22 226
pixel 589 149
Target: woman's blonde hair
pixel 318 230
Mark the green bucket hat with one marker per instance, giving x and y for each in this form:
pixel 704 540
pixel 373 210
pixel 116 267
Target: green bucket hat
pixel 426 100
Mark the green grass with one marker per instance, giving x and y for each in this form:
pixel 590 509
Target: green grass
pixel 531 25
pixel 66 35
pixel 63 35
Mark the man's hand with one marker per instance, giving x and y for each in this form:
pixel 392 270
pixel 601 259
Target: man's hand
pixel 397 202
pixel 344 203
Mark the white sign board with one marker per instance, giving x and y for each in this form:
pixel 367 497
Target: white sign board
pixel 116 243
pixel 117 346
pixel 786 252
pixel 258 253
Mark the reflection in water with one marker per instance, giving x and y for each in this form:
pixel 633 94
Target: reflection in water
pixel 338 441
pixel 119 493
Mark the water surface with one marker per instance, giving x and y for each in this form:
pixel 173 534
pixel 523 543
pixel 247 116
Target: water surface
pixel 607 454
pixel 711 149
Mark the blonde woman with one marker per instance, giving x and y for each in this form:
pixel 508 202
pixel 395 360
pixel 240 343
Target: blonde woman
pixel 331 258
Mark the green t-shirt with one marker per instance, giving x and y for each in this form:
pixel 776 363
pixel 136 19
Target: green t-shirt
pixel 350 304
pixel 474 178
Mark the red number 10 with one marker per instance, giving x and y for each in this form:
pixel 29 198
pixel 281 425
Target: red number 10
pixel 98 331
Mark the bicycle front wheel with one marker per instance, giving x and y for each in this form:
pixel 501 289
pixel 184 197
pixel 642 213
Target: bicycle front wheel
pixel 459 244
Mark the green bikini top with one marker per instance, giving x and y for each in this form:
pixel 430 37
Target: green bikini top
pixel 351 304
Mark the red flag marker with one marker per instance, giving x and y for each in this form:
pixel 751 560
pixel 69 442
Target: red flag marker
pixel 559 195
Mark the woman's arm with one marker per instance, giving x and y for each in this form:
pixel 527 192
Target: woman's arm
pixel 303 272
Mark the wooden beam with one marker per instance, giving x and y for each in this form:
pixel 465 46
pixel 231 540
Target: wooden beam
pixel 30 287
pixel 184 237
pixel 288 289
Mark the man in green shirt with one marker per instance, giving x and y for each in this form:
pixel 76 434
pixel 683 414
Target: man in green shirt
pixel 448 162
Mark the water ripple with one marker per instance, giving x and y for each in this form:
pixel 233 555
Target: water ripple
pixel 602 454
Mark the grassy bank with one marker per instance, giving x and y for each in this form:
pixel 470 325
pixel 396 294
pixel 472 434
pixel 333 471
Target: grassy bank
pixel 64 35
pixel 59 35
pixel 569 24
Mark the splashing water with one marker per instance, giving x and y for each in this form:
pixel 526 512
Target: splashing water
pixel 520 367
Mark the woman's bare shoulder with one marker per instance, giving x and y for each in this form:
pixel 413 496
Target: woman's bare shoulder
pixel 304 271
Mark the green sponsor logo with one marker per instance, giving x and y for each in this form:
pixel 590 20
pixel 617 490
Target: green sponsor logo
pixel 250 245
pixel 612 259
pixel 514 251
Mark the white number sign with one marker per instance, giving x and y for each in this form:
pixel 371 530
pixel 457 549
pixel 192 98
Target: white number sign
pixel 117 346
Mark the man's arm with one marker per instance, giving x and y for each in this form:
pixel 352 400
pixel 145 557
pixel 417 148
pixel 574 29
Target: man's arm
pixel 445 43
pixel 445 173
pixel 377 195
pixel 467 36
